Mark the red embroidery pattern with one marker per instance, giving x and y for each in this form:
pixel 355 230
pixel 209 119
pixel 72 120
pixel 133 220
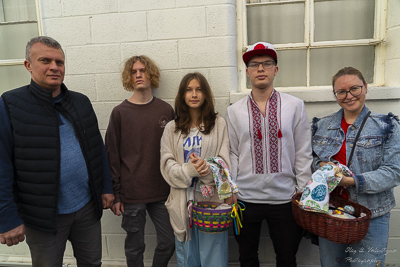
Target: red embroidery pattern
pixel 256 134
pixel 266 148
pixel 274 108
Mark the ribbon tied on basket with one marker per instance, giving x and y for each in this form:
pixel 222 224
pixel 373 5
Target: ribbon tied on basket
pixel 237 215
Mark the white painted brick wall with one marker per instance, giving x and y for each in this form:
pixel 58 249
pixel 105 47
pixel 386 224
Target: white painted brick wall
pixel 219 20
pixel 177 23
pixel 392 46
pixel 140 5
pixel 93 59
pixel 393 18
pixel 109 87
pixel 51 9
pixel 70 31
pixel 164 53
pixel 103 111
pixel 119 27
pixel 221 104
pixel 191 3
pixel 88 7
pixel 392 73
pixel 392 77
pixel 84 84
pixel 208 52
pixel 220 82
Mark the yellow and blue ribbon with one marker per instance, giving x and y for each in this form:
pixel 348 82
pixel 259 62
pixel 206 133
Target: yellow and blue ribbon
pixel 237 215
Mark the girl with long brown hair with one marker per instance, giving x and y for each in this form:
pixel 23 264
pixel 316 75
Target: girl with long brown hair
pixel 196 133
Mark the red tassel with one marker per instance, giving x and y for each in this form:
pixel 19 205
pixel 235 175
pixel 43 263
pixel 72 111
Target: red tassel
pixel 259 134
pixel 279 133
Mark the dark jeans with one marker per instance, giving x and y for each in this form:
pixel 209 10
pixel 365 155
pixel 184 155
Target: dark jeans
pixel 133 222
pixel 81 228
pixel 284 232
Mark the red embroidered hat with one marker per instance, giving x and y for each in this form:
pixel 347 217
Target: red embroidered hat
pixel 260 48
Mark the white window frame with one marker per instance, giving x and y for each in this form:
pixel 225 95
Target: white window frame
pixel 309 43
pixel 20 61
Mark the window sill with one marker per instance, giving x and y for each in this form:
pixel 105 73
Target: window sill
pixel 17 22
pixel 324 94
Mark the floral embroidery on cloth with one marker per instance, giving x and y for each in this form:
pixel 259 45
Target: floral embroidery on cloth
pixel 266 135
pixel 222 178
pixel 315 196
pixel 206 190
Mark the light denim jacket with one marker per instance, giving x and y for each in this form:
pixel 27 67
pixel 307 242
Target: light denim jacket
pixel 376 158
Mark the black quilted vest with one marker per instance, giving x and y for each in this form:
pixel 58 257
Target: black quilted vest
pixel 35 129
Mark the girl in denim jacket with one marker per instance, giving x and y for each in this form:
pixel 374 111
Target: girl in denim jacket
pixel 375 164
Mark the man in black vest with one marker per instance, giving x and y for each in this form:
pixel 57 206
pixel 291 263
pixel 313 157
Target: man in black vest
pixel 54 176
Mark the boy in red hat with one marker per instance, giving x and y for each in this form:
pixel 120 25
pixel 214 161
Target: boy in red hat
pixel 271 155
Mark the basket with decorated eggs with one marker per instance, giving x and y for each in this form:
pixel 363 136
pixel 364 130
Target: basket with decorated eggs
pixel 331 217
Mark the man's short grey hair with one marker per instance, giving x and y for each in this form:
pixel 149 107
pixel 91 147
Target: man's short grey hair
pixel 50 42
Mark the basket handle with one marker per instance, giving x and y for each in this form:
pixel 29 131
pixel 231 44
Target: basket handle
pixel 190 208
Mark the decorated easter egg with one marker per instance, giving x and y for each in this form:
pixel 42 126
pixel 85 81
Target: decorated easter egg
pixel 306 193
pixel 313 205
pixel 319 177
pixel 349 209
pixel 319 192
pixel 326 167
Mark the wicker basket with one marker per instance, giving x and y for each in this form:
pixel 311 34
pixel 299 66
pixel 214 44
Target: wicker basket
pixel 209 220
pixel 338 230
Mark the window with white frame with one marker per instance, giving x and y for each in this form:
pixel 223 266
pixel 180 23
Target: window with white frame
pixel 315 38
pixel 18 24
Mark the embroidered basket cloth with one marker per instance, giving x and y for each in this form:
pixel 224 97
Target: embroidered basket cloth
pixel 338 230
pixel 208 219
